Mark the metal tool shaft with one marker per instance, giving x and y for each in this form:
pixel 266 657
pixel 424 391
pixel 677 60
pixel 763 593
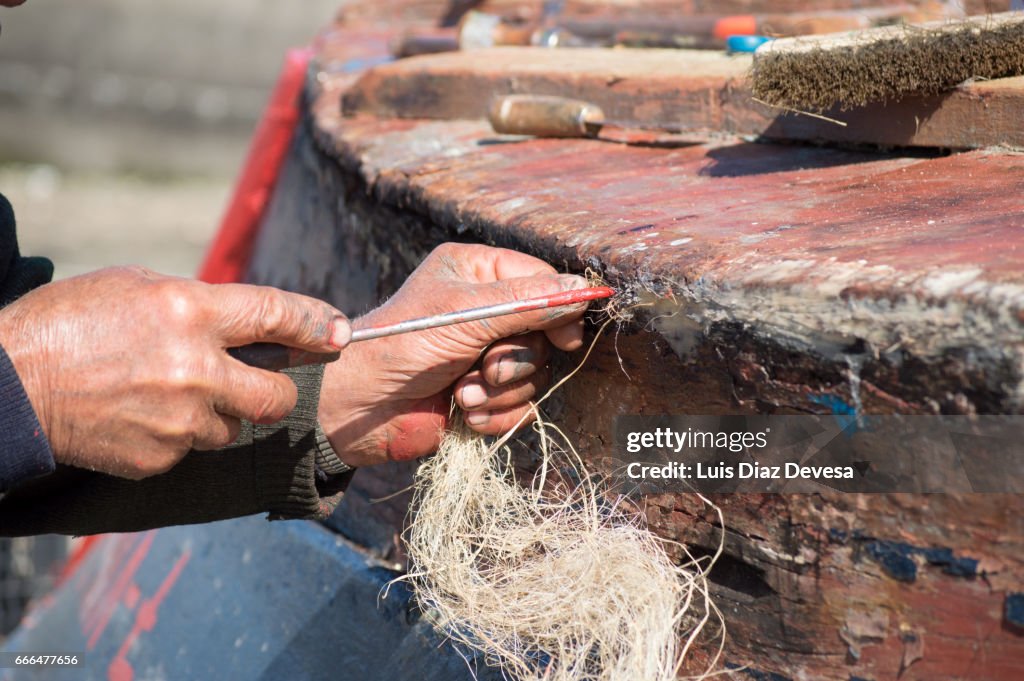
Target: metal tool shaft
pixel 274 357
pixel 557 300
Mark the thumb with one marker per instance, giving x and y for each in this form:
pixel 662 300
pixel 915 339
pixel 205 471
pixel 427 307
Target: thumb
pixel 256 314
pixel 522 288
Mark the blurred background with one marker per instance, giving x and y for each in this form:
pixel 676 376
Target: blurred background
pixel 122 126
pixel 123 122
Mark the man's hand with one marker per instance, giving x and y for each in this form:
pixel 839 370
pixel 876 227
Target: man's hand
pixel 390 398
pixel 127 369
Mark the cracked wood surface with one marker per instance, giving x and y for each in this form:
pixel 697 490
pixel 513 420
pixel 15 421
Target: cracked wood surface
pixel 780 274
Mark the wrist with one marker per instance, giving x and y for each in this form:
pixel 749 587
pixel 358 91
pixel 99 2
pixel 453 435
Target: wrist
pixel 341 414
pixel 327 459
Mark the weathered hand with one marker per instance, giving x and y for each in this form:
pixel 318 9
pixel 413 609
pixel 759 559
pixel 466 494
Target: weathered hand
pixel 390 398
pixel 127 369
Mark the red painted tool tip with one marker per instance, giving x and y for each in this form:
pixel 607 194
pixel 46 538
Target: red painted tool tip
pixel 581 295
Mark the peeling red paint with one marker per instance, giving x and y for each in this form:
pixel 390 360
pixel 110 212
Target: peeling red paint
pixel 112 595
pixel 145 619
pixel 131 596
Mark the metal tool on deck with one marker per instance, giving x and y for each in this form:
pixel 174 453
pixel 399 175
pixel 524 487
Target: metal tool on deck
pixel 552 116
pixel 275 357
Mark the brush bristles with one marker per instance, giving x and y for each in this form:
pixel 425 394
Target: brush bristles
pixel 816 74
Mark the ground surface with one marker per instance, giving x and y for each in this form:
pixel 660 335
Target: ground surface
pixel 104 89
pixel 84 221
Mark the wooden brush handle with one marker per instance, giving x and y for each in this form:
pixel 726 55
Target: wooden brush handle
pixel 544 116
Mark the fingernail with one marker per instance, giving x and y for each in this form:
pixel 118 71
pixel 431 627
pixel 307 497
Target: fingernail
pixel 571 282
pixel 341 333
pixel 473 395
pixel 478 418
pixel 513 366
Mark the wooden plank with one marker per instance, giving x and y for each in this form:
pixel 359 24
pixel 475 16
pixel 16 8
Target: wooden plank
pixel 705 90
pixel 975 115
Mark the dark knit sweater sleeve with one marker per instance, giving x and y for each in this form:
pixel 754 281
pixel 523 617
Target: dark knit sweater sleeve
pixel 270 469
pixel 18 274
pixel 24 450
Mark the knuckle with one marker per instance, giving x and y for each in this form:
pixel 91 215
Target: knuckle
pixel 133 473
pixel 223 432
pixel 511 420
pixel 493 371
pixel 267 412
pixel 275 403
pixel 190 425
pixel 160 465
pixel 538 343
pixel 272 314
pixel 175 435
pixel 454 260
pixel 447 249
pixel 181 432
pixel 128 464
pixel 234 428
pixel 521 393
pixel 160 459
pixel 177 303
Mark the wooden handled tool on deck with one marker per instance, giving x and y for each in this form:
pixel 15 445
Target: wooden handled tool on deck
pixel 551 116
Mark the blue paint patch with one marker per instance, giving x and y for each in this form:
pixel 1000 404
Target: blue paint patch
pixel 859 678
pixel 897 559
pixel 845 414
pixel 835 404
pixel 951 565
pixel 838 536
pixel 1013 609
pixel 756 674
